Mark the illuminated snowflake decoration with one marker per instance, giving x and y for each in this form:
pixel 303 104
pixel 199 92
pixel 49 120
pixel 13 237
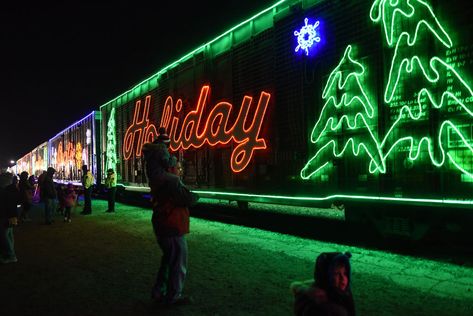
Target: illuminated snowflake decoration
pixel 306 36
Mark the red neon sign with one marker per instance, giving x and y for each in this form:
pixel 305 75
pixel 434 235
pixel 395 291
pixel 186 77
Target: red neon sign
pixel 215 128
pixel 140 131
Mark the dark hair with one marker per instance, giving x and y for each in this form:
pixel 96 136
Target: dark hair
pixel 324 265
pixel 163 137
pixel 24 176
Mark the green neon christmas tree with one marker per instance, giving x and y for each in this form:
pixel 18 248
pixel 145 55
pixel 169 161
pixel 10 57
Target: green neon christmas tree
pixel 442 86
pixel 347 108
pixel 111 142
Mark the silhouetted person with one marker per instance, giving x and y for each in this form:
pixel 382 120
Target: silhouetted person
pixel 158 161
pixel 87 184
pixel 111 185
pixel 40 184
pixel 26 196
pixel 9 199
pixel 48 195
pixel 170 224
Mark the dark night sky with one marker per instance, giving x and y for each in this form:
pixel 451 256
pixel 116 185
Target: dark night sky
pixel 60 61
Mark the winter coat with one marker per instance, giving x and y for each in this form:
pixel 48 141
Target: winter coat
pixel 169 220
pixel 171 212
pixel 48 190
pixel 110 181
pixel 170 207
pixel 70 198
pixel 9 199
pixel 88 180
pixel 26 191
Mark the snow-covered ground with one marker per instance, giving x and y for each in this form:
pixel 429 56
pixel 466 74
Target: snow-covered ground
pixel 104 264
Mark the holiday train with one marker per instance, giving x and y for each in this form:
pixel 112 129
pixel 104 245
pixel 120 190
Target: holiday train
pixel 365 103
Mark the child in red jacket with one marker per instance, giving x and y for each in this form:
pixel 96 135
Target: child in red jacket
pixel 70 197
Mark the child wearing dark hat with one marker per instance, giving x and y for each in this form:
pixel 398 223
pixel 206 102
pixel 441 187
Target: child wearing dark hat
pixel 330 293
pixel 162 182
pixel 159 160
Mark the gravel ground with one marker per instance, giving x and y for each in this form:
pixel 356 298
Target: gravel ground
pixel 104 264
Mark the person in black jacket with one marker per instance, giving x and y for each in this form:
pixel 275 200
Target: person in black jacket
pixel 26 196
pixel 48 195
pixel 9 199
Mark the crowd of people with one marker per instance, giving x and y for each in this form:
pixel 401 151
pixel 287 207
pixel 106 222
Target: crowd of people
pixel 18 193
pixel 328 293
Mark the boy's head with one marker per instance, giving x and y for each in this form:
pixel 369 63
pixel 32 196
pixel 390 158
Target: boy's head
pixel 332 271
pixel 163 137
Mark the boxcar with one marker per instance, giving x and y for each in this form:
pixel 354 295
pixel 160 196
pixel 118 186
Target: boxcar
pixel 24 164
pixel 39 159
pixel 75 146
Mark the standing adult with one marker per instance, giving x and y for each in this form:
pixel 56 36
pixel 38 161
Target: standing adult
pixel 48 195
pixel 111 185
pixel 26 196
pixel 9 199
pixel 170 225
pixel 170 219
pixel 40 184
pixel 33 183
pixel 87 184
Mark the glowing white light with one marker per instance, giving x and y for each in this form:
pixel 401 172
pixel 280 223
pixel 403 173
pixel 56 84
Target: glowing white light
pixel 88 134
pixel 306 36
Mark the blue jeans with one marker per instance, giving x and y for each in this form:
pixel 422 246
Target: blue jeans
pixel 173 270
pixel 7 243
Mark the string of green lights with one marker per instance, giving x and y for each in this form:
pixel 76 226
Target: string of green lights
pixel 111 142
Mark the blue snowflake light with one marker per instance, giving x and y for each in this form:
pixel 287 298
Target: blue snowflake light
pixel 306 36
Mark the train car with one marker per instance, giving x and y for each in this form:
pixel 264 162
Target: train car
pixel 75 146
pixel 362 103
pixel 24 164
pixel 39 159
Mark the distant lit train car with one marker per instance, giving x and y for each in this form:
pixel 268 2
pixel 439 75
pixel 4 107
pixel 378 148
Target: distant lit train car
pixel 24 164
pixel 74 147
pixel 39 159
